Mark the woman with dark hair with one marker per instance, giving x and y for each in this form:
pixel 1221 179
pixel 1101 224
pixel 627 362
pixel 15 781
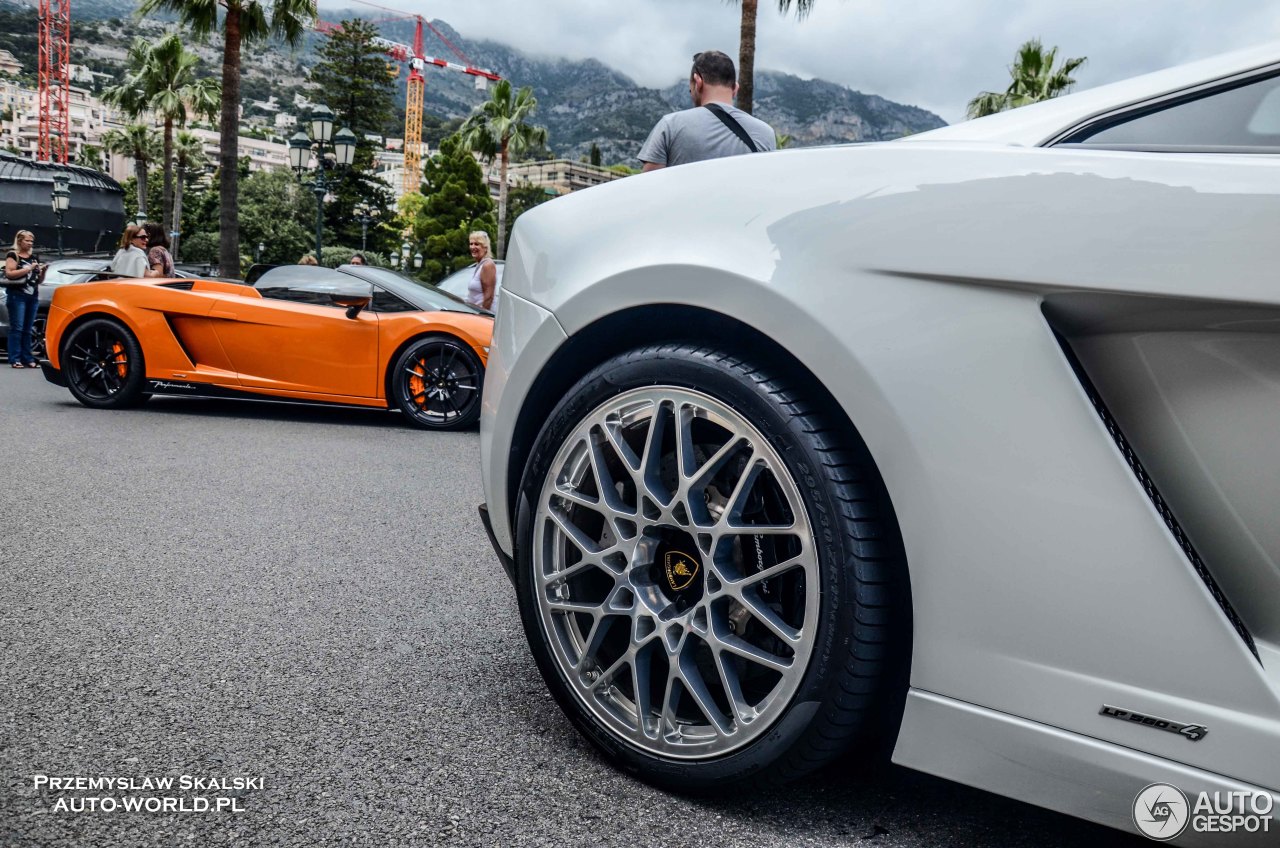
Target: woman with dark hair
pixel 159 260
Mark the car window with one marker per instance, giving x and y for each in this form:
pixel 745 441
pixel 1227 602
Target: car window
pixel 430 296
pixel 307 284
pixel 385 301
pixel 1243 118
pixel 457 282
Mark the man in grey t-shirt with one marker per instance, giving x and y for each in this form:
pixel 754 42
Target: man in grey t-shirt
pixel 696 134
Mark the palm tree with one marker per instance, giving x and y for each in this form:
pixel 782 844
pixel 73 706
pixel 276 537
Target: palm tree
pixel 188 160
pixel 499 129
pixel 1034 79
pixel 747 45
pixel 90 156
pixel 242 22
pixel 162 81
pixel 140 143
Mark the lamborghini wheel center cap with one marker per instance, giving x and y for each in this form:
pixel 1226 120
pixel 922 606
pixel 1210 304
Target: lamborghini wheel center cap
pixel 677 568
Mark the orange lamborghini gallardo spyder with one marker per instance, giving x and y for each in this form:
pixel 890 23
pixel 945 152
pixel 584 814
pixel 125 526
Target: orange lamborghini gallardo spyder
pixel 356 336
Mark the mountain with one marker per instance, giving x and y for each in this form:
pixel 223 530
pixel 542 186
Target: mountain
pixel 586 102
pixel 581 102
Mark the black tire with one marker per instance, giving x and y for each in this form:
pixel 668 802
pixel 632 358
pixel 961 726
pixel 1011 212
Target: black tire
pixel 37 335
pixel 436 383
pixel 103 364
pixel 850 696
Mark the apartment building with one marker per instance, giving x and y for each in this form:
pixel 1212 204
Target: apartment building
pixel 88 119
pixel 560 176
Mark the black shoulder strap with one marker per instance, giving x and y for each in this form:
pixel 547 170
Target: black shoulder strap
pixel 732 123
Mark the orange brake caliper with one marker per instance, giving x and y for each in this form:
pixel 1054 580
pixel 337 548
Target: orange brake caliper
pixel 122 368
pixel 417 386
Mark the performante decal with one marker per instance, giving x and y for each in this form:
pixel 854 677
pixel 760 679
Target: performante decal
pixel 1194 732
pixel 164 385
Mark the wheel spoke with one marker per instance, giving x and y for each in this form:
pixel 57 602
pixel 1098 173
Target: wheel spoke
pixel 771 572
pixel 729 680
pixel 697 689
pixel 610 502
pixel 621 449
pixel 770 619
pixel 599 629
pixel 734 503
pixel 640 677
pixel 575 534
pixel 576 497
pixel 680 421
pixel 670 699
pixel 759 530
pixel 709 468
pixel 563 606
pixel 652 455
pixel 754 654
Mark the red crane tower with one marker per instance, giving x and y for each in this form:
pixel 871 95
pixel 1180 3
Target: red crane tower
pixel 55 80
pixel 412 176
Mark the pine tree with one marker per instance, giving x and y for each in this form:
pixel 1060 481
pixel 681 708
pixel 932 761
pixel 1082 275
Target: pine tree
pixel 455 200
pixel 354 83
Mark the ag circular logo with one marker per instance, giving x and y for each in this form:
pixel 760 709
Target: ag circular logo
pixel 1161 811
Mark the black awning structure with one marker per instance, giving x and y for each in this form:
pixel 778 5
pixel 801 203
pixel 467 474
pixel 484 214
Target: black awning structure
pixel 92 224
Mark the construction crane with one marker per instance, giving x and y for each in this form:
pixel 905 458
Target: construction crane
pixel 55 80
pixel 416 85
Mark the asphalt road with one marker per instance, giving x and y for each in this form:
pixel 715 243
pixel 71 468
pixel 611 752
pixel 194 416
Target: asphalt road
pixel 304 598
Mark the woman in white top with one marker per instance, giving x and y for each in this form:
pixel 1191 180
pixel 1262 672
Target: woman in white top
pixel 484 279
pixel 131 258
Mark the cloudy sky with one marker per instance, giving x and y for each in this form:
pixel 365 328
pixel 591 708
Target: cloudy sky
pixel 936 54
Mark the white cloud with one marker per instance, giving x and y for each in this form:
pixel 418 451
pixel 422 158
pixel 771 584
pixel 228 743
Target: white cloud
pixel 931 53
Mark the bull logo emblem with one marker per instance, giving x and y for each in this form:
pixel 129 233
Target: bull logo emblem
pixel 681 569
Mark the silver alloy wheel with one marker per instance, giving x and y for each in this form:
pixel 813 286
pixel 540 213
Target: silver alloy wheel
pixel 676 577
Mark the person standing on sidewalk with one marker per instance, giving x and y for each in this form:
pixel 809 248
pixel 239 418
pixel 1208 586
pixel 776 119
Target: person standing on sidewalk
pixel 22 274
pixel 714 127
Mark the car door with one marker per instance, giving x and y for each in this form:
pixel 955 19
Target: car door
pixel 1149 236
pixel 294 339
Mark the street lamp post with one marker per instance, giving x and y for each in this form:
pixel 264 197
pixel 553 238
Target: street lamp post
pixel 417 261
pixel 258 256
pixel 140 218
pixel 405 250
pixel 395 260
pixel 61 198
pixel 365 215
pixel 330 150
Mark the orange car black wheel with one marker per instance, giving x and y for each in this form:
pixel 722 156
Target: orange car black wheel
pixel 436 383
pixel 103 366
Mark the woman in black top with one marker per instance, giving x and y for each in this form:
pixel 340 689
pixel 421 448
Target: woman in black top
pixel 22 273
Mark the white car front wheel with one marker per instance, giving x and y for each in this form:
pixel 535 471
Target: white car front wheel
pixel 711 583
